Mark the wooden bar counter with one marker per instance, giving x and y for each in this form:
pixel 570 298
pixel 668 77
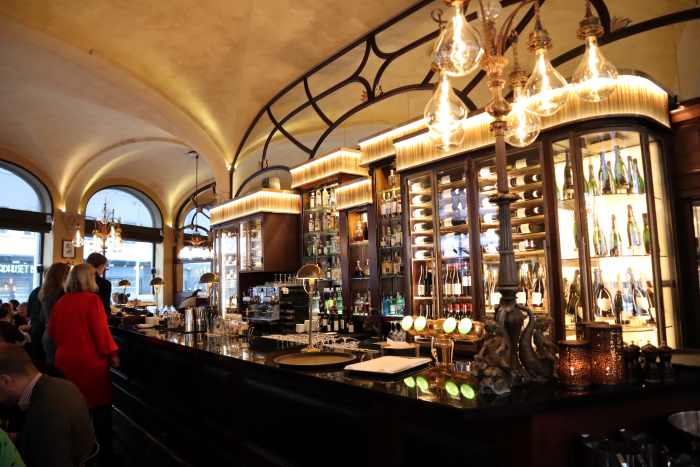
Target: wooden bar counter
pixel 189 399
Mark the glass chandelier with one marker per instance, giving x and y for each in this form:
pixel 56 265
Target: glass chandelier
pixel 107 234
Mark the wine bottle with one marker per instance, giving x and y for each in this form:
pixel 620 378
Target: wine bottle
pixel 638 176
pixel 527 212
pixel 569 189
pixel 621 176
pixel 521 292
pixel 532 194
pixel 466 278
pixel 573 300
pixel 647 233
pixel 528 161
pixel 618 306
pixel 420 284
pixel 525 179
pixel 529 228
pixel 312 200
pixel 600 245
pixel 592 188
pixel 603 299
pixel 429 282
pixel 538 288
pixel 456 282
pixel 447 282
pixel 603 176
pixel 615 238
pixel 633 235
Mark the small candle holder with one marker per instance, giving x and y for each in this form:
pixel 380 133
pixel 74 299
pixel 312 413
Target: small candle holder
pixel 574 365
pixel 607 354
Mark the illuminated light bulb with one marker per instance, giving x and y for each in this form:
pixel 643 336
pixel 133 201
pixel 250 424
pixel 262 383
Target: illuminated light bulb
pixel 523 126
pixel 595 77
pixel 492 10
pixel 420 323
pixel 546 89
pixel 407 323
pixel 465 325
pixel 78 239
pixel 467 391
pixel 452 389
pixel 445 113
pixel 410 382
pixel 449 325
pixel 422 383
pixel 458 49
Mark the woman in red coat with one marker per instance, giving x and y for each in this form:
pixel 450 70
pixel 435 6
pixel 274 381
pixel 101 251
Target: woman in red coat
pixel 85 348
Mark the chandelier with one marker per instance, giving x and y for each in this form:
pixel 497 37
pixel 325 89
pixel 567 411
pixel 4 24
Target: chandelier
pixel 459 49
pixel 107 234
pixel 197 244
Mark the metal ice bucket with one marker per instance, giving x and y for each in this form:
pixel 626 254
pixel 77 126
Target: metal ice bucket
pixel 688 424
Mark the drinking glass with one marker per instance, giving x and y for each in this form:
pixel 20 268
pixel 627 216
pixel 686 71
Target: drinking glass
pixel 442 350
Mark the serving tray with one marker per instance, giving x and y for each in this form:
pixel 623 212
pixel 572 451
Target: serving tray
pixel 314 360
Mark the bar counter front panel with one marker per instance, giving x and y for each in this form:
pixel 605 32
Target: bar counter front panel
pixel 212 401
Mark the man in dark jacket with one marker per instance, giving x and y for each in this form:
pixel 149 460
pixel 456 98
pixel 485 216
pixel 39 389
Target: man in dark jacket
pixel 99 262
pixel 57 431
pixel 37 329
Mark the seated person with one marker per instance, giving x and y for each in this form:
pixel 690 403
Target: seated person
pixel 10 334
pixel 57 430
pixel 22 316
pixel 6 312
pixel 8 452
pixel 14 303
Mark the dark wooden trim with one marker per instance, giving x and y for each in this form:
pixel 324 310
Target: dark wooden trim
pixel 257 174
pixel 29 221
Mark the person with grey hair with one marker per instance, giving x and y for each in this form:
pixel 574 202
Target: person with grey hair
pixel 57 431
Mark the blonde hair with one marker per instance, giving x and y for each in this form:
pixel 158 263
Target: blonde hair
pixel 81 279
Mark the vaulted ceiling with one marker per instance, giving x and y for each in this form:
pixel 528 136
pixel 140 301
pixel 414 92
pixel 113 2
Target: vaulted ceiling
pixel 115 90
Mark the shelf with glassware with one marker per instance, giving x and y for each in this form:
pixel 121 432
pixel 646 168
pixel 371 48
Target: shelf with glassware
pixel 528 217
pixel 227 257
pixel 251 244
pixel 321 235
pixel 358 257
pixel 440 265
pixel 390 237
pixel 613 206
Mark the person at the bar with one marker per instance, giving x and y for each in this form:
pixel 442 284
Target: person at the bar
pixel 51 291
pixel 99 262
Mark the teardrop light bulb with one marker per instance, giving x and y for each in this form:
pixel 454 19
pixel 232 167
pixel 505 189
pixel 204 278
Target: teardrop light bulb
pixel 594 78
pixel 445 113
pixel 458 49
pixel 523 126
pixel 492 10
pixel 546 89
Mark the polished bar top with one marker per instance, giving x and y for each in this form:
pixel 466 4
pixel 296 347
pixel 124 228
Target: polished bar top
pixel 427 386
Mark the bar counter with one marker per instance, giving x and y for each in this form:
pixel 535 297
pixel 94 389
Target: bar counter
pixel 212 401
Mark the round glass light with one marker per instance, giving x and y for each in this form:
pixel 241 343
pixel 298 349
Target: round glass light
pixel 407 323
pixel 449 325
pixel 452 389
pixel 420 323
pixel 594 78
pixel 467 391
pixel 458 48
pixel 410 382
pixel 546 89
pixel 422 383
pixel 465 325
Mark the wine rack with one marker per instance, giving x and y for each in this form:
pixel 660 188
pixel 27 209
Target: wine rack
pixel 321 234
pixel 526 179
pixel 422 244
pixel 617 243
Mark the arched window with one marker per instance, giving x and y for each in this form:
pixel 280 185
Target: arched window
pixel 135 259
pixel 21 233
pixel 130 207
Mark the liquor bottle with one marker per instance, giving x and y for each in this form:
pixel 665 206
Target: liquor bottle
pixel 633 236
pixel 601 295
pixel 311 222
pixel 392 178
pixel 621 176
pixel 640 181
pixel 533 194
pixel 319 198
pixel 569 189
pixel 420 284
pixel 358 270
pixel 538 288
pixel 521 292
pixel 615 238
pixel 339 301
pixel 646 234
pixel 447 282
pixel 605 178
pixel 317 222
pixel 331 198
pixel 312 200
pixel 573 299
pixel 400 303
pixel 618 306
pixel 592 188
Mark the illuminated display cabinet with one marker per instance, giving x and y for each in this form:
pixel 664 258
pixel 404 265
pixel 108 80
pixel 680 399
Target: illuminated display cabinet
pixel 591 230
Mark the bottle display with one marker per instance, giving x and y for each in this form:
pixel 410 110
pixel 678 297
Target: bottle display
pixel 358 253
pixel 422 237
pixel 228 251
pixel 251 244
pixel 321 238
pixel 618 235
pixel 390 237
pixel 529 232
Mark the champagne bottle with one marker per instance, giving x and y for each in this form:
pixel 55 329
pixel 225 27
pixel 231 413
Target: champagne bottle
pixel 600 245
pixel 573 302
pixel 633 235
pixel 615 238
pixel 420 284
pixel 633 181
pixel 618 306
pixel 429 282
pixel 603 299
pixel 621 176
pixel 591 185
pixel 647 233
pixel 538 288
pixel 638 176
pixel 611 176
pixel 447 282
pixel 569 189
pixel 527 212
pixel 605 180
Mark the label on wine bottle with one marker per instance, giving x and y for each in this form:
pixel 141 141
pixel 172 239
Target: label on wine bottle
pixel 456 288
pixel 521 298
pixel 537 298
pixel 466 280
pixel 421 290
pixel 520 212
pixel 525 228
pixel 521 163
pixel 603 304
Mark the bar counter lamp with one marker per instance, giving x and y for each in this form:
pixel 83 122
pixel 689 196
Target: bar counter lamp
pixel 574 365
pixel 309 274
pixel 607 354
pixel 459 50
pixel 211 280
pixel 157 284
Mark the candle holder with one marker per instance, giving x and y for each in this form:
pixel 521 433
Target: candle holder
pixel 607 354
pixel 574 365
